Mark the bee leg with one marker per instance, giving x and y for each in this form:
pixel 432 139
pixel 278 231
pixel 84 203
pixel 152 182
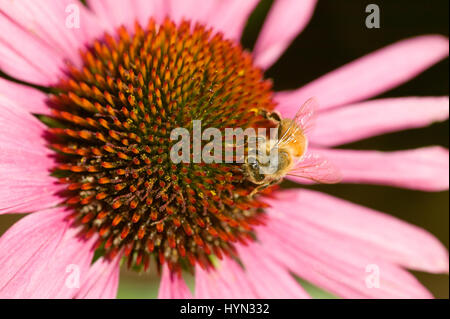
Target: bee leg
pixel 274 116
pixel 271 116
pixel 259 188
pixel 255 191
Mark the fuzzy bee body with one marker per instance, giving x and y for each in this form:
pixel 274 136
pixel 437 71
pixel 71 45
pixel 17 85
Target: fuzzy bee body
pixel 289 153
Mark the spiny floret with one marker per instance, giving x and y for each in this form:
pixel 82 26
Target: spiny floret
pixel 115 116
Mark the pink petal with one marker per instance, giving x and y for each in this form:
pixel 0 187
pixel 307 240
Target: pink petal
pixel 268 279
pixel 48 21
pixel 334 266
pixel 424 168
pixel 286 19
pixel 102 280
pixel 42 257
pixel 25 162
pixel 355 122
pixel 24 56
pixel 227 281
pixel 144 9
pixel 172 286
pixel 230 16
pixel 194 10
pixel 226 16
pixel 370 75
pixel 340 263
pixel 26 97
pixel 362 230
pixel 115 13
pixel 262 278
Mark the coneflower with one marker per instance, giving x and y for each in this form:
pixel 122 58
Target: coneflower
pixel 98 175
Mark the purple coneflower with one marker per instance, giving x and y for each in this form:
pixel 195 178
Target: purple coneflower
pixel 98 175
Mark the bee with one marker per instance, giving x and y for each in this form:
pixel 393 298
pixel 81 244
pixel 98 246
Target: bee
pixel 288 153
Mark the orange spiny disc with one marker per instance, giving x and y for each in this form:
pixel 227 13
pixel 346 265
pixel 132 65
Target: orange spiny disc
pixel 115 115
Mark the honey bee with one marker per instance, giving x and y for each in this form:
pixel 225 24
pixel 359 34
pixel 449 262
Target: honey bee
pixel 289 154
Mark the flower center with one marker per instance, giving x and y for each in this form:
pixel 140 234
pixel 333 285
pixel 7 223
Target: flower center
pixel 115 115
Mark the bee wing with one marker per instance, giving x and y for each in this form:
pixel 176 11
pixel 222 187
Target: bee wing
pixel 317 168
pixel 303 120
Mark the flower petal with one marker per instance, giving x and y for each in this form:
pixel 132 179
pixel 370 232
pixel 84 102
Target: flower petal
pixel 370 75
pixel 194 10
pixel 261 278
pixel 355 122
pixel 25 162
pixel 26 97
pixel 144 9
pixel 424 168
pixel 334 267
pixel 24 56
pixel 269 279
pixel 229 16
pixel 102 280
pixel 286 19
pixel 226 16
pixel 114 13
pixel 172 286
pixel 361 230
pixel 227 281
pixel 52 22
pixel 348 266
pixel 42 257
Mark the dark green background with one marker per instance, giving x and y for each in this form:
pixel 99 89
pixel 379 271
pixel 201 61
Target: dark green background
pixel 337 35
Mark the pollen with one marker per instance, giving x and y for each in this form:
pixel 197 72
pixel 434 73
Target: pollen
pixel 113 121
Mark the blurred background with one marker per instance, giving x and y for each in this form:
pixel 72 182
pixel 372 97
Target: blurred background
pixel 337 35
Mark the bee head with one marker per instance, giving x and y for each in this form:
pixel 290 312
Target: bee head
pixel 254 171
